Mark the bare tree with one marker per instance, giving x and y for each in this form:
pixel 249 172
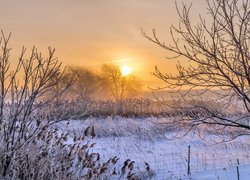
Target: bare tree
pixel 58 92
pixel 122 87
pixel 218 51
pixel 30 147
pixel 21 98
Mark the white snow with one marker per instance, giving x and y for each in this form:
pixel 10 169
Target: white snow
pixel 146 140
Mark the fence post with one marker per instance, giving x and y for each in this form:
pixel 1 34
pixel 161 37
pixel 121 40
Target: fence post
pixel 238 173
pixel 188 171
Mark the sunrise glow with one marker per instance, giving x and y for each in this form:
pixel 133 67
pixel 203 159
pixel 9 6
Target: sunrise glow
pixel 126 70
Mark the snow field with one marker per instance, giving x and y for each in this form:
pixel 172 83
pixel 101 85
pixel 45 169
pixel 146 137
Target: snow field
pixel 146 141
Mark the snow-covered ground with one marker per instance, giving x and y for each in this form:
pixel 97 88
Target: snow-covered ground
pixel 229 173
pixel 147 141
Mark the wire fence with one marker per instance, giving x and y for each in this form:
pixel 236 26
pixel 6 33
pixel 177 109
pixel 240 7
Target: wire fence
pixel 172 163
pixel 203 159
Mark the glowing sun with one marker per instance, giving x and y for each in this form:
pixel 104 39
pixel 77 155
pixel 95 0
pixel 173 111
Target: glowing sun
pixel 126 70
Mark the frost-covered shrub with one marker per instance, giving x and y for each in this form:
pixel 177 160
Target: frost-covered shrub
pixel 53 154
pixel 138 107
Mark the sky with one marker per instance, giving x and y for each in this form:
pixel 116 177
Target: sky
pixel 93 32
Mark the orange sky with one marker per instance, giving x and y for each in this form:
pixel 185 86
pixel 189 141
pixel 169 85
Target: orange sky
pixel 93 32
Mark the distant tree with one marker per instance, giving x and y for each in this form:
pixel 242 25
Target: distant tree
pixel 121 87
pixel 87 84
pixel 217 50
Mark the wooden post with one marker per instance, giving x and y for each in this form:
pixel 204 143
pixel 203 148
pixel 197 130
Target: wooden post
pixel 188 172
pixel 238 173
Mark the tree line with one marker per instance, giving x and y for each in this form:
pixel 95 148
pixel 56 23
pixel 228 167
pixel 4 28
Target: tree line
pixel 93 85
